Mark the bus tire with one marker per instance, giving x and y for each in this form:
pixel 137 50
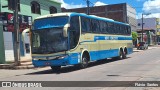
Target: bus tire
pixel 84 61
pixel 56 68
pixel 124 54
pixel 120 57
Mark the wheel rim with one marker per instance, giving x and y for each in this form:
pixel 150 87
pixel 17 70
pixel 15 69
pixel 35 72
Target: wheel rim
pixel 121 55
pixel 124 54
pixel 84 62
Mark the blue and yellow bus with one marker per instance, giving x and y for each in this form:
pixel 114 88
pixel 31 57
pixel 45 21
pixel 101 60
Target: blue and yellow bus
pixel 74 38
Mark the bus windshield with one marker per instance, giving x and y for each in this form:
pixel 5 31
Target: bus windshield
pixel 50 22
pixel 47 41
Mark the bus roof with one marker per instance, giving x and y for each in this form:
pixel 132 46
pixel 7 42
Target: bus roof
pixel 54 15
pixel 81 14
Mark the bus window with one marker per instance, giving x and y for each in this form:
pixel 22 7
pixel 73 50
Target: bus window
pixel 111 28
pixel 103 27
pixel 116 28
pixel 129 30
pixel 126 32
pixel 106 28
pixel 85 24
pixel 36 40
pixel 95 26
pixel 74 31
pixel 122 29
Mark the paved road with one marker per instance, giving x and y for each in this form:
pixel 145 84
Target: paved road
pixel 139 66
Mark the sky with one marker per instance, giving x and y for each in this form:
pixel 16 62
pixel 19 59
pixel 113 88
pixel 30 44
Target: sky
pixel 151 7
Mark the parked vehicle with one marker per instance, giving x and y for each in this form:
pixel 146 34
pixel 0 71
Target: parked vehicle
pixel 142 46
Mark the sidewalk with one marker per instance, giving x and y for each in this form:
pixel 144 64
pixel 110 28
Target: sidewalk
pixel 26 63
pixel 150 47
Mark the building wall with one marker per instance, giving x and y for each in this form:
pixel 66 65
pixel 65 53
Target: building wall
pixel 158 30
pixel 116 12
pixel 6 38
pixel 131 17
pixel 8 44
pixel 25 8
pixel 119 12
pixel 2 53
pixel 149 23
pixel 158 25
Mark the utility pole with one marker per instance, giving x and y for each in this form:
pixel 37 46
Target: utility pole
pixel 87 1
pixel 142 27
pixel 143 23
pixel 16 34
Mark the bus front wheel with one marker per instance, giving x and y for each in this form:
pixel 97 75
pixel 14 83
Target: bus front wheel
pixel 56 68
pixel 84 62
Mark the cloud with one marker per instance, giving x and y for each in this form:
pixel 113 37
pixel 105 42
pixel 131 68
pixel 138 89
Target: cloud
pixel 70 6
pixel 98 3
pixel 153 7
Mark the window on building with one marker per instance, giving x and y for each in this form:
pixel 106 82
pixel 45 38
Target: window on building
pixel 35 7
pixel 53 9
pixel 11 5
pixel 139 24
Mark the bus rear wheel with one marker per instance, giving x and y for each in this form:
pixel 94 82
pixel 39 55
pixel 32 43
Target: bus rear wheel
pixel 56 68
pixel 84 62
pixel 124 55
pixel 120 57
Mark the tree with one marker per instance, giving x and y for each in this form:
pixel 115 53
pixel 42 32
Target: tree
pixel 134 36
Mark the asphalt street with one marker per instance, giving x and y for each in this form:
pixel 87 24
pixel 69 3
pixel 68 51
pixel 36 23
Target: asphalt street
pixel 142 65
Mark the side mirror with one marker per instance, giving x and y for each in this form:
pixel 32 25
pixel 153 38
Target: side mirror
pixel 65 30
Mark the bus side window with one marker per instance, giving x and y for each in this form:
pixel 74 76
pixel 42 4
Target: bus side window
pixel 95 26
pixel 74 32
pixel 129 30
pixel 126 30
pixel 122 29
pixel 103 27
pixel 115 28
pixel 110 28
pixel 85 22
pixel 106 28
pixel 118 29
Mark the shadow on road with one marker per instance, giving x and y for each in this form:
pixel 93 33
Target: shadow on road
pixel 68 69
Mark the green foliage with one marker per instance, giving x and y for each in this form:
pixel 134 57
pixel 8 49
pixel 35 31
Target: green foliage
pixel 134 36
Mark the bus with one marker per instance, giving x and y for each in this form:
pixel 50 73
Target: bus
pixel 77 39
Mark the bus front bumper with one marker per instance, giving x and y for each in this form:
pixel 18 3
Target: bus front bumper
pixel 42 63
pixel 69 60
